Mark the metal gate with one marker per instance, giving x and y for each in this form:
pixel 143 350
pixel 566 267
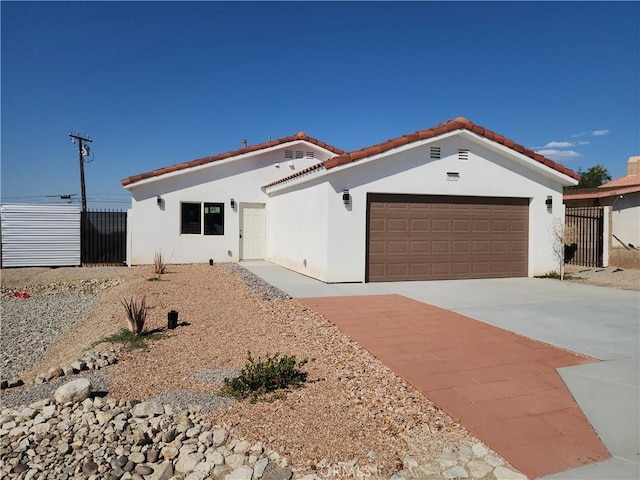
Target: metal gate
pixel 104 237
pixel 587 224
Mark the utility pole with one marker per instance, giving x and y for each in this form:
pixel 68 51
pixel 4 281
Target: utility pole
pixel 80 140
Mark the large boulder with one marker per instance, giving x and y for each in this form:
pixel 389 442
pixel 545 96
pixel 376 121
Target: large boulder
pixel 72 392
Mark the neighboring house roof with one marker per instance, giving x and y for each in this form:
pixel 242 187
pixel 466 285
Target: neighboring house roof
pixel 459 123
pixel 626 181
pixel 630 183
pixel 603 191
pixel 234 153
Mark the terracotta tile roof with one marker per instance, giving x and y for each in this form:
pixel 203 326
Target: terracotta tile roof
pixel 459 123
pixel 603 191
pixel 626 181
pixel 253 148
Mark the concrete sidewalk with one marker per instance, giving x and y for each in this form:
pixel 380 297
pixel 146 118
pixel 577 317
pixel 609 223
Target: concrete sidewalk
pixel 599 322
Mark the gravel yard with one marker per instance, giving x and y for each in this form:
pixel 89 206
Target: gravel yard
pixel 352 408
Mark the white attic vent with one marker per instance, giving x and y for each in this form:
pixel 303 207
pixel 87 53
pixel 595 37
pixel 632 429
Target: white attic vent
pixel 288 154
pixel 310 154
pixel 463 154
pixel 435 152
pixel 453 176
pixel 299 154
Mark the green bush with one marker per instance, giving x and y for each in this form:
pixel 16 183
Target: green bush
pixel 262 377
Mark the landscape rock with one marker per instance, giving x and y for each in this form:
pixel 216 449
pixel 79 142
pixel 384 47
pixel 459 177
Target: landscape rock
pixel 74 391
pixel 503 473
pixel 283 473
pixel 240 473
pixel 147 409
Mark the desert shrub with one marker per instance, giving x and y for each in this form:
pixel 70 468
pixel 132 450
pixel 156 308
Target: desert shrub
pixel 136 314
pixel 265 376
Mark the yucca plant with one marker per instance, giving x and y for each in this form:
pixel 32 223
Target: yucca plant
pixel 136 314
pixel 159 263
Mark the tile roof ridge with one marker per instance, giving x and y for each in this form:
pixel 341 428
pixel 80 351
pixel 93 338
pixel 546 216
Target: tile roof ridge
pixel 230 154
pixel 458 123
pixel 317 166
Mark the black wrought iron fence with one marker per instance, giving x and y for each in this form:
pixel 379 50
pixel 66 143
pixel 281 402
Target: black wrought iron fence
pixel 104 237
pixel 587 227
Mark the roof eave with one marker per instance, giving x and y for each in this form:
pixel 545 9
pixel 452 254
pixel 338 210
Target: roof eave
pixel 189 167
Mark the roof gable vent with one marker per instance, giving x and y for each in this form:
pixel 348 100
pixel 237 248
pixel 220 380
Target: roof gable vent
pixel 288 154
pixel 463 154
pixel 310 154
pixel 299 154
pixel 435 152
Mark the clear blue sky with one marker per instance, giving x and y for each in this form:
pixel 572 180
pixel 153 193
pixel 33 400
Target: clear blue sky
pixel 158 83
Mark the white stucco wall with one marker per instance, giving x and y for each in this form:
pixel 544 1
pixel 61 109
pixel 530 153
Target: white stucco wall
pixel 489 172
pixel 625 219
pixel 298 232
pixel 156 228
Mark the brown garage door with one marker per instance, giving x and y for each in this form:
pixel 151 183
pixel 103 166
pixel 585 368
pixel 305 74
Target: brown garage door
pixel 423 237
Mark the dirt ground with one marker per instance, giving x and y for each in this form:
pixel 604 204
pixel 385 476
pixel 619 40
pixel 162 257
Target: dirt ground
pixel 613 277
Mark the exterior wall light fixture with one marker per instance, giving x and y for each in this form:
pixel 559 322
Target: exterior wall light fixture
pixel 159 200
pixel 346 198
pixel 233 203
pixel 549 203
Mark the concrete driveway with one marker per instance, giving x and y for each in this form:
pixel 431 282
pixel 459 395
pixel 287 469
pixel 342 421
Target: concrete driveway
pixel 599 322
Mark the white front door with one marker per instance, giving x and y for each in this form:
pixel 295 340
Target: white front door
pixel 252 231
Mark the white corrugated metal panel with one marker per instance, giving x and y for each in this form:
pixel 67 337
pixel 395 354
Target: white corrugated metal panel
pixel 40 235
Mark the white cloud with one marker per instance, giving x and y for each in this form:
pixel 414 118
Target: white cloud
pixel 599 133
pixel 579 135
pixel 559 154
pixel 559 145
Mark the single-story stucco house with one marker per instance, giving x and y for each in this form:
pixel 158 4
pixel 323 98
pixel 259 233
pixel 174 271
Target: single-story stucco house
pixel 449 202
pixel 620 199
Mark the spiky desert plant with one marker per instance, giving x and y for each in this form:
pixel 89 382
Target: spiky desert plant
pixel 159 263
pixel 136 314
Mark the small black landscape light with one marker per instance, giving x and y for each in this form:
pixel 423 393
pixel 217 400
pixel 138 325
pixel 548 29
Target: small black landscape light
pixel 233 203
pixel 211 261
pixel 172 319
pixel 346 198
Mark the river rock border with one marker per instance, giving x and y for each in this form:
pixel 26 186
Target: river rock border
pixel 89 361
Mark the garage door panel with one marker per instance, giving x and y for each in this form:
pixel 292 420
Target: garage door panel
pixel 500 246
pixel 461 246
pixel 480 246
pixel 397 247
pixel 461 268
pixel 398 225
pixel 461 225
pixel 419 246
pixel 441 225
pixel 376 247
pixel 398 269
pixel 519 226
pixel 419 225
pixel 441 269
pixel 481 226
pixel 419 269
pixel 414 237
pixel 440 247
pixel 377 225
